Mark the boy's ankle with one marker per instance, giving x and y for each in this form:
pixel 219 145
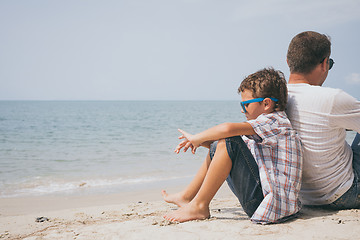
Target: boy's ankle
pixel 186 196
pixel 201 205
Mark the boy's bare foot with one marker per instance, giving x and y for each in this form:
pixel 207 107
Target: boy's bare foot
pixel 188 213
pixel 177 198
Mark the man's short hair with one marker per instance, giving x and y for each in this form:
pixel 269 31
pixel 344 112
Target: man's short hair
pixel 307 50
pixel 267 83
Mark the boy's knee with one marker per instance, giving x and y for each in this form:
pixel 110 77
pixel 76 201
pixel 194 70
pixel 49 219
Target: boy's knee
pixel 215 146
pixel 222 143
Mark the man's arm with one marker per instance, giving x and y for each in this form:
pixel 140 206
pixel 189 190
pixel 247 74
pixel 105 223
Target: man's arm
pixel 345 112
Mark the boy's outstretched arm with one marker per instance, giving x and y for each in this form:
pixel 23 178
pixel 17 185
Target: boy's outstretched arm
pixel 217 132
pixel 186 144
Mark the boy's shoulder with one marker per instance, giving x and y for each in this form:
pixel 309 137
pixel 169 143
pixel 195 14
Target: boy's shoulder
pixel 272 124
pixel 272 127
pixel 276 117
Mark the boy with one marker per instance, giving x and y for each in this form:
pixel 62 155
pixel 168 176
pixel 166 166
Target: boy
pixel 261 158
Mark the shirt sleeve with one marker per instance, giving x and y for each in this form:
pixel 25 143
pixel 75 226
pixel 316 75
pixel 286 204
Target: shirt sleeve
pixel 345 112
pixel 267 128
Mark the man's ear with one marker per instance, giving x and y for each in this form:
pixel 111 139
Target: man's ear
pixel 325 64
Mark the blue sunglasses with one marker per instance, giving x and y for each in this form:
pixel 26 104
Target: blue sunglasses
pixel 244 104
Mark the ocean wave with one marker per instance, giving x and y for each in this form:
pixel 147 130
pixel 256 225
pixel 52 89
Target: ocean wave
pixel 40 186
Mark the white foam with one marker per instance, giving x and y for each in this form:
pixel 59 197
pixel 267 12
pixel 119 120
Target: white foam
pixel 40 186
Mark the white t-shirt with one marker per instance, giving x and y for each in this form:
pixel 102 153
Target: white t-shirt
pixel 320 115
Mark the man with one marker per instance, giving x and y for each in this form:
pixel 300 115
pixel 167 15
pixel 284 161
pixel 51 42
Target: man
pixel 321 116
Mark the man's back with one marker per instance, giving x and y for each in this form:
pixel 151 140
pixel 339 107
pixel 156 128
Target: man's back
pixel 320 116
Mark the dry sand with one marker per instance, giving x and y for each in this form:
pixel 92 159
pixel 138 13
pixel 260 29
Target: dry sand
pixel 139 216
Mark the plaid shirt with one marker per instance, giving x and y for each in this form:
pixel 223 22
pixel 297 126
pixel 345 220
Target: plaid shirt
pixel 277 150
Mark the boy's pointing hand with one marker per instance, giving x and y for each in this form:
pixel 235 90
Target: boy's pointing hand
pixel 187 143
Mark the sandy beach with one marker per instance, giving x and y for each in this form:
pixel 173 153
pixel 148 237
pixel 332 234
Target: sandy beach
pixel 138 215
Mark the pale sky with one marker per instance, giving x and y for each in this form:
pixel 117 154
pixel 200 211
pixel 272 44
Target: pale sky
pixel 163 49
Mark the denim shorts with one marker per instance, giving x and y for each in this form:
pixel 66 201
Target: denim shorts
pixel 244 179
pixel 351 198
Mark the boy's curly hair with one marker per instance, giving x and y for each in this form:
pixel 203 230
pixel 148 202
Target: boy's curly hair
pixel 267 83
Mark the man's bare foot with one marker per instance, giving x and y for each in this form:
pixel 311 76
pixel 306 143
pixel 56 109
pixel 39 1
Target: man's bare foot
pixel 188 213
pixel 176 198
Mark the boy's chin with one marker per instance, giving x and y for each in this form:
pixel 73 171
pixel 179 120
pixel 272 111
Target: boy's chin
pixel 252 117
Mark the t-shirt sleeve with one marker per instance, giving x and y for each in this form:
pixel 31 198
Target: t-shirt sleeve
pixel 267 128
pixel 345 112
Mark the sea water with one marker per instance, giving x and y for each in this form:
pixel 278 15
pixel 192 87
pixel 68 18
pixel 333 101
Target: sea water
pixel 81 147
pixel 86 147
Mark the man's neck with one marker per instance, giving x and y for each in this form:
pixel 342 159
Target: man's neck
pixel 316 77
pixel 296 78
pixel 311 79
